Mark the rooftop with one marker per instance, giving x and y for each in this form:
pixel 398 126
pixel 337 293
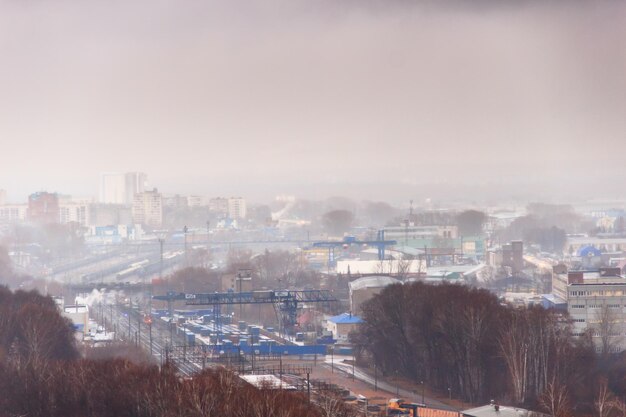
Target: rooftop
pixel 346 318
pixel 267 381
pixel 375 281
pixel 503 411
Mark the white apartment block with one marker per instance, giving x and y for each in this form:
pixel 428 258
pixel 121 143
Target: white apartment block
pixel 13 213
pixel 596 301
pixel 148 208
pixel 236 208
pixel 74 212
pixel 112 188
pixel 135 182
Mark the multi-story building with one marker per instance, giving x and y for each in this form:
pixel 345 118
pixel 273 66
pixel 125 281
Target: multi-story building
pixel 74 212
pixel 195 201
pixel 510 254
pixel 148 208
pixel 596 302
pixel 233 207
pixel 113 188
pixel 236 208
pixel 412 232
pixel 43 207
pixel 134 182
pixel 513 255
pixel 13 213
pixel 219 206
pixel 108 214
pixel 175 201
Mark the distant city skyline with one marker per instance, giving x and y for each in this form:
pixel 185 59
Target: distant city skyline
pixel 316 98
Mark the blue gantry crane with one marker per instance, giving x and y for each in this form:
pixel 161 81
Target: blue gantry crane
pixel 380 243
pixel 285 302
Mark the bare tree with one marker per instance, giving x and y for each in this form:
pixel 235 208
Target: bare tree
pixel 403 268
pixel 555 400
pixel 608 328
pixel 604 402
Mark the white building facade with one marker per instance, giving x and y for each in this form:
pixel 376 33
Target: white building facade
pixel 148 208
pixel 112 188
pixel 596 302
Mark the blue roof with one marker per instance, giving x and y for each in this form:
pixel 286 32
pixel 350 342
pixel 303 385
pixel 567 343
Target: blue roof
pixel 346 318
pixel 589 252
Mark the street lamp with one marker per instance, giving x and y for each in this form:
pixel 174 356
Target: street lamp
pixel 397 385
pixel 450 393
pixel 422 382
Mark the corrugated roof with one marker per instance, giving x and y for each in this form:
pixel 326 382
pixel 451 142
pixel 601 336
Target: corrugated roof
pixel 503 411
pixel 375 281
pixel 346 318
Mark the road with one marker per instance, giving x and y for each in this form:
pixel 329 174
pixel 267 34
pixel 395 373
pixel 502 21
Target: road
pixel 363 376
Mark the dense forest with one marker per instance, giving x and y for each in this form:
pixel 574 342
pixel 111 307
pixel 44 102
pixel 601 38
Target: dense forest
pixel 463 339
pixel 43 374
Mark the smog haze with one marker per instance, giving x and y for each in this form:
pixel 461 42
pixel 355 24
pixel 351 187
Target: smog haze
pixel 323 97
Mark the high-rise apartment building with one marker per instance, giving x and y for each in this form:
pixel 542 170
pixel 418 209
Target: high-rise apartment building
pixel 43 207
pixel 120 188
pixel 74 212
pixel 148 208
pixel 233 207
pixel 135 182
pixel 219 206
pixel 236 208
pixel 113 188
pixel 13 213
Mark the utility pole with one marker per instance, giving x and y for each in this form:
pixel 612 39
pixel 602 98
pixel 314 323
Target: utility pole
pixel 308 387
pixel 138 326
pixel 161 241
pixel 375 377
pixel 130 300
pixel 185 229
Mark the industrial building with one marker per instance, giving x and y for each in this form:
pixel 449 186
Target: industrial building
pixel 596 301
pixel 340 326
pixel 509 255
pixel 365 288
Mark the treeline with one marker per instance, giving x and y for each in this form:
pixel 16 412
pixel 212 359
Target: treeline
pixel 118 388
pixel 463 339
pixel 42 374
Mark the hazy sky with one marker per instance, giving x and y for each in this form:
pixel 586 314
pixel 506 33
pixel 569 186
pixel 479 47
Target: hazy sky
pixel 246 97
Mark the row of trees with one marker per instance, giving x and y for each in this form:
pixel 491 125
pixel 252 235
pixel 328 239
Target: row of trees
pixel 119 388
pixel 463 339
pixel 42 374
